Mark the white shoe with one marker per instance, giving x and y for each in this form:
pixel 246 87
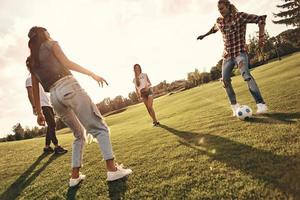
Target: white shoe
pixel 234 108
pixel 261 108
pixel 90 139
pixel 120 173
pixel 75 181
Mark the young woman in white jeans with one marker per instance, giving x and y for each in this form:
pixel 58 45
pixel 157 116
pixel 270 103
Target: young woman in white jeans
pixel 143 91
pixel 51 68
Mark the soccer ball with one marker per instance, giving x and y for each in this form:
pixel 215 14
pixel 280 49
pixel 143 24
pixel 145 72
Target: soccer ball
pixel 244 112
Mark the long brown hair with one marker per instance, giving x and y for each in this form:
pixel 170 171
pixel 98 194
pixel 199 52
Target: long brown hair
pixel 137 80
pixel 227 3
pixel 37 37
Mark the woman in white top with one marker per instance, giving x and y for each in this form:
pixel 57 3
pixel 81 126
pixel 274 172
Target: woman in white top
pixel 143 90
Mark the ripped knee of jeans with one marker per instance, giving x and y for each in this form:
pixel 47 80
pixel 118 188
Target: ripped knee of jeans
pixel 246 76
pixel 240 64
pixel 225 82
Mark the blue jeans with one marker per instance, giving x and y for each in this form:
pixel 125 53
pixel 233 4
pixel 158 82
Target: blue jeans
pixel 79 113
pixel 242 62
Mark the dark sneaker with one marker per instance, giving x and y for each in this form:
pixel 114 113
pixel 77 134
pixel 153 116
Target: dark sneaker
pixel 48 150
pixel 60 150
pixel 156 123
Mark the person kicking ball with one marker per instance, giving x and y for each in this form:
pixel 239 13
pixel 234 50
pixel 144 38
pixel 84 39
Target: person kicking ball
pixel 232 25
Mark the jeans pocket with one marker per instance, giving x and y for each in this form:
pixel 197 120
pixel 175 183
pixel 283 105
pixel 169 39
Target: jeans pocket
pixel 67 92
pixel 96 111
pixel 69 95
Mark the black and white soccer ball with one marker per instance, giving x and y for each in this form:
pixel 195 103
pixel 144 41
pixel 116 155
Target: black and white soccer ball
pixel 244 112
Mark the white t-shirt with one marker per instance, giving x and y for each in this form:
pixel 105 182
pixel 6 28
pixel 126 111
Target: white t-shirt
pixel 143 82
pixel 43 96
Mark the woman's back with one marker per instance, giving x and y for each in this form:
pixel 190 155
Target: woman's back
pixel 50 69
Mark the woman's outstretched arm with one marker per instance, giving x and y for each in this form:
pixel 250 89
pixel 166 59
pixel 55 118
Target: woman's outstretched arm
pixel 59 54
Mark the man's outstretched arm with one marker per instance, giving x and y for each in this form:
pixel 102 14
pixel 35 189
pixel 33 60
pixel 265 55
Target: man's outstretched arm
pixel 214 29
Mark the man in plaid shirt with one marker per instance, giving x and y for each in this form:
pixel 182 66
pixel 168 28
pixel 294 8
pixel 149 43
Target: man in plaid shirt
pixel 232 25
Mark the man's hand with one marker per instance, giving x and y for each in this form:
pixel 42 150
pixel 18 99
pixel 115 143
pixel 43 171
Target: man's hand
pixel 41 119
pixel 200 37
pixel 99 79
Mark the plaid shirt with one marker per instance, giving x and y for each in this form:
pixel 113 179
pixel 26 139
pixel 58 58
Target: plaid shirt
pixel 234 32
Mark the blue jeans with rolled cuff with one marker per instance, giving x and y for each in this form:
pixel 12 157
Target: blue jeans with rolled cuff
pixel 243 64
pixel 79 113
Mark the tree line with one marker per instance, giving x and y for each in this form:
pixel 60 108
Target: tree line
pixel 285 43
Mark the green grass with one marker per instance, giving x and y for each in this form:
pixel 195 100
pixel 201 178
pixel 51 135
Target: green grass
pixel 200 152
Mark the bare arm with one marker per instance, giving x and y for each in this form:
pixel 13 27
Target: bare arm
pixel 30 95
pixel 59 54
pixel 37 103
pixel 214 29
pixel 31 98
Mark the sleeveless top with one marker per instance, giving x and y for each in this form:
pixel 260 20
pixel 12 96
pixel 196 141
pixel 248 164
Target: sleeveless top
pixel 50 69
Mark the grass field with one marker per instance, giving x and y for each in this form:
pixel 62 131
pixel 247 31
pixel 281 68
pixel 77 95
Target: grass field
pixel 199 152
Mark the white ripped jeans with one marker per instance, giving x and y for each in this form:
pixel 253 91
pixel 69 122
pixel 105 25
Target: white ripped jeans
pixel 78 112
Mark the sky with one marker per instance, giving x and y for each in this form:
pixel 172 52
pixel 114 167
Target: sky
pixel 108 37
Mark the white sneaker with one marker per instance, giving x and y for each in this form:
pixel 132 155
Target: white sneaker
pixel 120 173
pixel 234 108
pixel 261 108
pixel 75 181
pixel 90 139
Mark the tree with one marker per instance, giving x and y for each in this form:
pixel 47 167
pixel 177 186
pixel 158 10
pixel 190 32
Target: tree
pixel 204 77
pixel 105 105
pixel 10 137
pixel 133 97
pixel 215 73
pixel 219 64
pixel 194 77
pixel 161 88
pixel 19 131
pixel 191 79
pixel 127 102
pixel 118 102
pixel 291 14
pixel 28 133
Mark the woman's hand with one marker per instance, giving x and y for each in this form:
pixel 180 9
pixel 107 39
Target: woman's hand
pixel 34 111
pixel 99 79
pixel 139 96
pixel 41 119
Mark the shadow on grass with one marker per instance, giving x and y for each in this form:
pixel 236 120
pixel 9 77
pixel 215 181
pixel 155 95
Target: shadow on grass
pixel 276 118
pixel 281 172
pixel 71 194
pixel 16 188
pixel 117 188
